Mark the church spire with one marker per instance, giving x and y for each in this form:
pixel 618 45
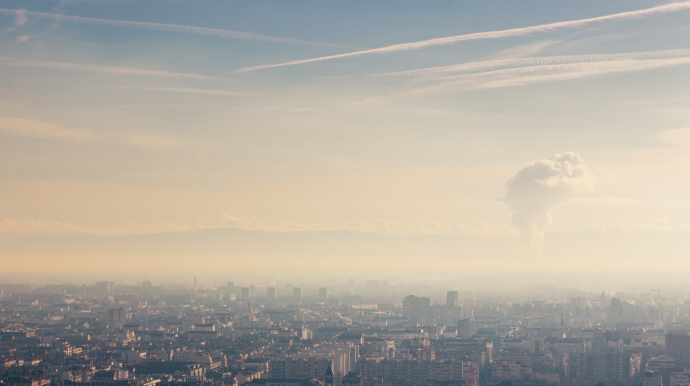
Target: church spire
pixel 329 376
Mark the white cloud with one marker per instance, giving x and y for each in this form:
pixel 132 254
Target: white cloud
pixel 536 190
pixel 524 31
pixel 20 17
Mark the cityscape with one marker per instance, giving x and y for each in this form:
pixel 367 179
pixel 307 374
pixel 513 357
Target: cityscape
pixel 356 333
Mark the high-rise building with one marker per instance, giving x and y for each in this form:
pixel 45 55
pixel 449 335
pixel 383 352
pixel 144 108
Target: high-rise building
pixel 271 293
pixel 116 317
pixel 678 346
pixel 604 366
pixel 297 294
pixel 245 293
pixel 452 299
pixel 103 287
pixel 416 372
pixel 314 362
pixel 466 328
pixel 414 307
pixel 614 311
pixel 323 293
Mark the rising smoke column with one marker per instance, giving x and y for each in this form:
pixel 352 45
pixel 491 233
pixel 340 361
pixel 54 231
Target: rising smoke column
pixel 535 191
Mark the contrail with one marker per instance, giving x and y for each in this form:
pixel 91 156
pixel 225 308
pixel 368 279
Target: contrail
pixel 547 73
pixel 15 62
pixel 539 60
pixel 160 27
pixel 667 8
pixel 186 90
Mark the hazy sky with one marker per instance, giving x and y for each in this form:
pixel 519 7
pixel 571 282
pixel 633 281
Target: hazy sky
pixel 550 134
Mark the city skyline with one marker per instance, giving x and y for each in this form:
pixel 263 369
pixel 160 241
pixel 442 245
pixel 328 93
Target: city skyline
pixel 370 333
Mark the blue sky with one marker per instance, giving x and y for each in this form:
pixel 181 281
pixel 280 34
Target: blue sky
pixel 195 119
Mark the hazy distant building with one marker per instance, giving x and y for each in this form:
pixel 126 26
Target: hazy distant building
pixel 271 293
pixel 414 307
pixel 103 287
pixel 678 346
pixel 660 363
pixel 374 285
pixel 604 366
pixel 245 293
pixel 452 299
pixel 116 317
pixel 614 310
pixel 466 328
pixel 651 379
pixel 323 293
pixel 418 372
pixel 297 294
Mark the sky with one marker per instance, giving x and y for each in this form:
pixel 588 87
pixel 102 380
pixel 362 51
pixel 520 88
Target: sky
pixel 390 137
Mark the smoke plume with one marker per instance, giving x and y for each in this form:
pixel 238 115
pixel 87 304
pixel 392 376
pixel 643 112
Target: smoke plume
pixel 535 191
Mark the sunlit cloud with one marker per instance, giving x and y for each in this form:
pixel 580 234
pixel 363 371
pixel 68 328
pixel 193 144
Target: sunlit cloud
pixel 252 223
pixel 659 224
pixel 536 190
pixel 607 200
pixel 32 226
pixel 187 90
pixel 380 227
pixel 29 128
pixel 163 142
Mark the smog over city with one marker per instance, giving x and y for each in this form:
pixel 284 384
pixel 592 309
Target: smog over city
pixel 354 193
